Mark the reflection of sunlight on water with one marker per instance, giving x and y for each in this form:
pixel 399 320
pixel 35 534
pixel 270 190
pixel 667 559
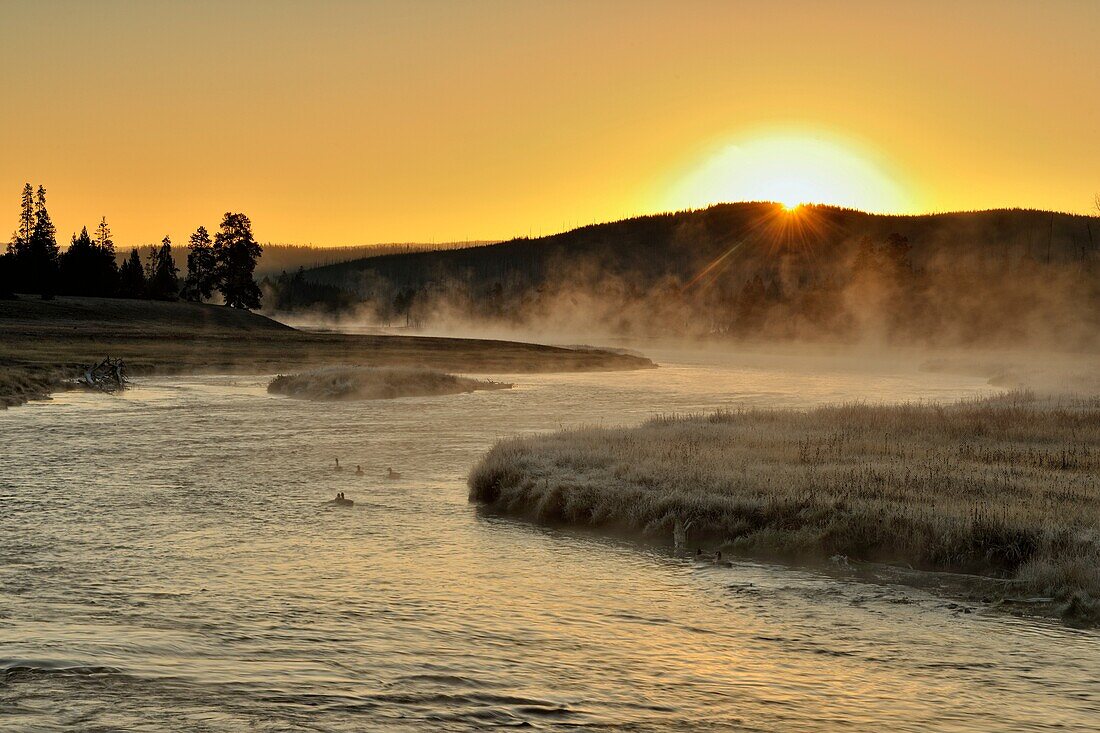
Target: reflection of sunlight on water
pixel 192 551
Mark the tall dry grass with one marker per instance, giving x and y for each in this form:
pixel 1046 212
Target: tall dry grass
pixel 22 384
pixel 1007 486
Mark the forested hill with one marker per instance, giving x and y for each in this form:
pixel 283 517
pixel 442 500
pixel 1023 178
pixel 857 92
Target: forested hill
pixel 679 244
pixel 739 267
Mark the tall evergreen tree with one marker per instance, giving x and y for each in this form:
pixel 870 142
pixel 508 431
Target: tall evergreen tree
pixel 75 264
pixel 43 234
pixel 22 236
pixel 107 263
pixel 237 251
pixel 162 275
pixel 202 268
pixel 35 259
pixel 103 239
pixel 88 267
pixel 132 277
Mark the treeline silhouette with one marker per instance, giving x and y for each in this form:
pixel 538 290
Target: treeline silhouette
pixel 34 264
pixel 288 293
pixel 754 270
pixel 288 258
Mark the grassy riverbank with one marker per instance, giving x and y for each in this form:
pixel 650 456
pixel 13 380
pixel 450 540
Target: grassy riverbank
pixel 1007 487
pixel 332 384
pixel 19 385
pixel 42 343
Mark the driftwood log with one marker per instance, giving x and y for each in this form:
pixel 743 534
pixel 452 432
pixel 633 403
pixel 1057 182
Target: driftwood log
pixel 107 376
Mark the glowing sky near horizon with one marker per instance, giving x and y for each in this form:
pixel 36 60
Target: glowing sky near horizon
pixel 350 122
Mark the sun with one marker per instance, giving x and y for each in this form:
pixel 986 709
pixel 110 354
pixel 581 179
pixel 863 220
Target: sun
pixel 792 169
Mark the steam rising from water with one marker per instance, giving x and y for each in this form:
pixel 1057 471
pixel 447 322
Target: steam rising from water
pixel 754 273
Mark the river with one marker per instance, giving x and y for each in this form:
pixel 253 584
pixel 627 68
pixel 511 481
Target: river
pixel 169 561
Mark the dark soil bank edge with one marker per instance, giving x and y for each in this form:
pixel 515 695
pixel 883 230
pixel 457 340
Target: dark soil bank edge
pixel 43 344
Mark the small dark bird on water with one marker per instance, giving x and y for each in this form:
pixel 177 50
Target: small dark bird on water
pixel 715 559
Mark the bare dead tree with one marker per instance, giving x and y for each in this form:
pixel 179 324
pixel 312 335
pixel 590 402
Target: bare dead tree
pixel 107 376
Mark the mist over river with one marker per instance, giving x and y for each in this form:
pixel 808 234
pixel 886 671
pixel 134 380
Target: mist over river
pixel 169 561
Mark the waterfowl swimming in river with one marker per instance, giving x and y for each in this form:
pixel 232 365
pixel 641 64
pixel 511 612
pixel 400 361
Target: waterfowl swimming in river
pixel 715 559
pixel 701 556
pixel 391 474
pixel 338 466
pixel 358 470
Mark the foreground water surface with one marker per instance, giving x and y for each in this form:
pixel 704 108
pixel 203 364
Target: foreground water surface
pixel 168 561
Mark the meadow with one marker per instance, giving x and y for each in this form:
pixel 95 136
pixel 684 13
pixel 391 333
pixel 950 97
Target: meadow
pixel 45 343
pixel 1004 487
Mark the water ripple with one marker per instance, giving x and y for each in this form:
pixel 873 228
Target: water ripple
pixel 189 574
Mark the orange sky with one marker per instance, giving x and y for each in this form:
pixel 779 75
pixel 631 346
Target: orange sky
pixel 353 122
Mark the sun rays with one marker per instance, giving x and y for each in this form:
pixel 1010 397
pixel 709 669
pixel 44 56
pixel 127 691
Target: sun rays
pixel 780 228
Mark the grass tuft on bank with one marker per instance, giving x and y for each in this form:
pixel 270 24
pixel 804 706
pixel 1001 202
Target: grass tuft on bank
pixel 19 385
pixel 374 383
pixel 1007 487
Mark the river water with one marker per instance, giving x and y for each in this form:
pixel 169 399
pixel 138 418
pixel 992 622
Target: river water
pixel 168 561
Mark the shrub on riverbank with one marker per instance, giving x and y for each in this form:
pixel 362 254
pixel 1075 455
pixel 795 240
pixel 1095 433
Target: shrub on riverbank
pixel 374 383
pixel 1005 486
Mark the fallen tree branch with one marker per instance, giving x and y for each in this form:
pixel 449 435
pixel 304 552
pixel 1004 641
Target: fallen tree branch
pixel 106 376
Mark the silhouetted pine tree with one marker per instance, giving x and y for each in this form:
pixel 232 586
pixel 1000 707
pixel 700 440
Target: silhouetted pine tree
pixel 76 263
pixel 132 277
pixel 36 258
pixel 22 236
pixel 162 275
pixel 87 267
pixel 13 260
pixel 237 251
pixel 103 239
pixel 105 256
pixel 202 268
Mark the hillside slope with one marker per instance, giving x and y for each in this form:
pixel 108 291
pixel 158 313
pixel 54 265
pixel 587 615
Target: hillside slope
pixel 755 268
pixel 76 313
pixel 682 243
